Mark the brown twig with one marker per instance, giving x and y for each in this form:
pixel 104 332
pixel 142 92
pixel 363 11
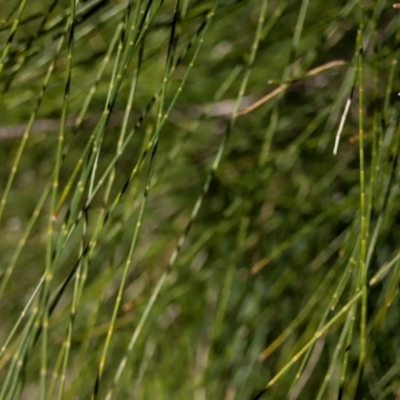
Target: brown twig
pixel 284 86
pixel 49 125
pixel 220 109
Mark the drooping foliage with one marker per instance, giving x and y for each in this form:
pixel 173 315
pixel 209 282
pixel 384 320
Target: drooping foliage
pixel 199 199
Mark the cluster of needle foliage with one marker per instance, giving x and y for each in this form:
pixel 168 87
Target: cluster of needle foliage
pixel 199 199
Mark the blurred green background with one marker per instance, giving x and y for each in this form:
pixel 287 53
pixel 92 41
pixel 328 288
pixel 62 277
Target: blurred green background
pixel 161 238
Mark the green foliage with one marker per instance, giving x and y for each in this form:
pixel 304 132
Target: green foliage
pixel 199 199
